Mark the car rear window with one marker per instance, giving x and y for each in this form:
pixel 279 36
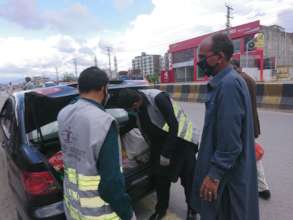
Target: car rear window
pixel 49 132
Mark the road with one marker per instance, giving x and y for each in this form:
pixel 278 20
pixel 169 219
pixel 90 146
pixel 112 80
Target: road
pixel 277 138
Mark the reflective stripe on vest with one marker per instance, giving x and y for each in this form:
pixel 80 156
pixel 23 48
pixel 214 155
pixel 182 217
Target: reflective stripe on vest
pixel 76 215
pixel 85 183
pixel 185 127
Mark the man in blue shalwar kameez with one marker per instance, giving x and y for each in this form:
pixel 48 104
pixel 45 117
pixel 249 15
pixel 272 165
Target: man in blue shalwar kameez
pixel 225 181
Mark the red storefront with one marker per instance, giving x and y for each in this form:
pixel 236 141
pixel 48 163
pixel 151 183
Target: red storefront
pixel 183 68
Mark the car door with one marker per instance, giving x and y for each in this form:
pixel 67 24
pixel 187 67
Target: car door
pixel 11 144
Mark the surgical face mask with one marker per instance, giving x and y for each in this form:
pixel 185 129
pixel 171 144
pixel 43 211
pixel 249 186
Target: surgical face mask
pixel 207 68
pixel 106 97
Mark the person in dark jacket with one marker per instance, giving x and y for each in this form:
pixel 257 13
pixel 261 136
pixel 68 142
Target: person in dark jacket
pixel 225 185
pixel 172 141
pixel 263 187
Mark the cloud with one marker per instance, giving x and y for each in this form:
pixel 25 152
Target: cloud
pixel 13 69
pixel 177 20
pixel 86 50
pixel 122 4
pixel 74 19
pixel 66 45
pixel 168 22
pixel 22 12
pixel 285 19
pixel 21 57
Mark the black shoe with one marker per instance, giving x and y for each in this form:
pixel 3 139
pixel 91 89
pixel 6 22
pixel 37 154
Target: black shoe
pixel 266 194
pixel 157 216
pixel 191 214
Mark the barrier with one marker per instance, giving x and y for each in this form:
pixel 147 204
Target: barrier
pixel 269 95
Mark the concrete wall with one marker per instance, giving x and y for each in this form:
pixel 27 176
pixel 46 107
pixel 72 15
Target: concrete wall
pixel 269 95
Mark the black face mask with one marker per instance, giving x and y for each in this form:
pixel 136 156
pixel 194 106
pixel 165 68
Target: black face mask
pixel 206 68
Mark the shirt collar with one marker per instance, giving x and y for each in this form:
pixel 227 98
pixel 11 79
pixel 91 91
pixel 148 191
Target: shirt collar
pixel 99 105
pixel 214 82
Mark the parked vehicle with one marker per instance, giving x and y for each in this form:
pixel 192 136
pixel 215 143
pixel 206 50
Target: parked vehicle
pixel 30 137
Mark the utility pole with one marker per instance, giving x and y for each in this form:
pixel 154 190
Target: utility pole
pixel 57 75
pixel 109 56
pixel 96 61
pixel 115 66
pixel 228 17
pixel 75 67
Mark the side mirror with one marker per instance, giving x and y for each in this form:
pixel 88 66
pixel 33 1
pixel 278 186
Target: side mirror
pixel 119 114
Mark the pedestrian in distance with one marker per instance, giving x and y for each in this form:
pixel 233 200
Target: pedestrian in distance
pixel 28 84
pixel 225 186
pixel 94 186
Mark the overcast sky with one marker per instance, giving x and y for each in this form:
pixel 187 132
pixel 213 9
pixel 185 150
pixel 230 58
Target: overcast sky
pixel 38 36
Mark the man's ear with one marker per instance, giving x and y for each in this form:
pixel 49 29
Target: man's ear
pixel 222 57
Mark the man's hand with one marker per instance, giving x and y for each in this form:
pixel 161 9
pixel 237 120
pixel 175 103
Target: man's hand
pixel 133 217
pixel 209 189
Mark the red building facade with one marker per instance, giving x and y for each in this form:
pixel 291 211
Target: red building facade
pixel 184 54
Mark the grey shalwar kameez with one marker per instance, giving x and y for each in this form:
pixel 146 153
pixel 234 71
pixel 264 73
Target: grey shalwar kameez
pixel 227 151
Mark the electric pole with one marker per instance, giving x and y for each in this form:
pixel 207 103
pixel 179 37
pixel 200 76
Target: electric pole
pixel 228 17
pixel 115 66
pixel 57 75
pixel 75 67
pixel 96 61
pixel 109 56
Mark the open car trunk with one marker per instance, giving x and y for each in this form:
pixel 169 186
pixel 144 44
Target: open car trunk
pixel 41 127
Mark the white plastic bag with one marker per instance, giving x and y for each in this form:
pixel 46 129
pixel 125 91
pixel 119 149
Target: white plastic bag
pixel 135 146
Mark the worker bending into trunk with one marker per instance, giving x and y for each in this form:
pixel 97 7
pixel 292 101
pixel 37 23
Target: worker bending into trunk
pixel 172 140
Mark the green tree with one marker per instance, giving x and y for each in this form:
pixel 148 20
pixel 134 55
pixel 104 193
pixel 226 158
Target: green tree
pixel 154 79
pixel 69 77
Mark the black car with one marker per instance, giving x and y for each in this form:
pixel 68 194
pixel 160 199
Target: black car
pixel 30 137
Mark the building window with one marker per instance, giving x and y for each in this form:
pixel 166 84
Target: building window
pixel 184 74
pixel 183 56
pixel 236 44
pixel 248 43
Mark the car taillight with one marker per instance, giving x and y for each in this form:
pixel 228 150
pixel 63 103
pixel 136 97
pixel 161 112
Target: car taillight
pixel 39 183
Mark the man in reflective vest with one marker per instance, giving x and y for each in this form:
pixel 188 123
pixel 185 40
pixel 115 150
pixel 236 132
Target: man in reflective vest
pixel 93 183
pixel 171 137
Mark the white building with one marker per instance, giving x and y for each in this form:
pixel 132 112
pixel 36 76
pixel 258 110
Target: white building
pixel 147 64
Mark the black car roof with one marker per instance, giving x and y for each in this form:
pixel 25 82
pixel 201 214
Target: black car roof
pixel 42 105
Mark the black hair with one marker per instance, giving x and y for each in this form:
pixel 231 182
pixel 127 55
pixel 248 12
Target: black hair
pixel 127 97
pixel 28 79
pixel 235 63
pixel 222 43
pixel 92 78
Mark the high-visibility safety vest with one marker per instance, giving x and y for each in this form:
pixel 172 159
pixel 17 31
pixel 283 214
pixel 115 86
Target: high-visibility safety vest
pixel 186 130
pixel 83 128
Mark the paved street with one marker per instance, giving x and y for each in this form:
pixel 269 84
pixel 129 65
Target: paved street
pixel 277 138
